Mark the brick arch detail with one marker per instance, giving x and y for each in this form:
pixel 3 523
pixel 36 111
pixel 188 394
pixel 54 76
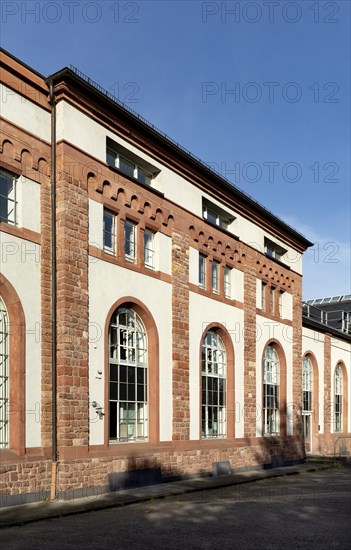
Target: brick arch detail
pixel 17 365
pixel 153 364
pixel 230 378
pixel 282 384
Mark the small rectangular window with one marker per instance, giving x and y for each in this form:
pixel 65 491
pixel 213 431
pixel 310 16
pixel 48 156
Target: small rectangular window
pixel 130 241
pixel 126 167
pixel 149 249
pixel 272 300
pixel 8 204
pixel 109 232
pixel 280 303
pixel 215 277
pixel 143 176
pixel 111 157
pixel 227 282
pixel 202 271
pixel 263 296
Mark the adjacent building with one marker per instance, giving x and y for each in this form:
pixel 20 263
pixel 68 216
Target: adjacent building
pixel 151 313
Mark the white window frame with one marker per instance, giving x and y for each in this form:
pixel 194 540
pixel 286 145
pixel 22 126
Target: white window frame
pixel 272 300
pixel 215 276
pixel 263 295
pixel 149 248
pixel 130 243
pixel 4 377
pixel 338 399
pixel 271 387
pixel 307 385
pixel 128 377
pixel 213 386
pixel 202 271
pixel 112 234
pixel 8 201
pixel 138 171
pixel 227 282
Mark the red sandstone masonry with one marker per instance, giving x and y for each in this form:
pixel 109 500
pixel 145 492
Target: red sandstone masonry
pixel 327 381
pixel 180 332
pixel 72 309
pixel 297 356
pixel 250 350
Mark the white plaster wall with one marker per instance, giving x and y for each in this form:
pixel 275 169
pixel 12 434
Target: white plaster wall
pixel 287 305
pixel 341 351
pixel 96 215
pixel 237 285
pixel 267 329
pixel 193 265
pixel 20 264
pixel 202 312
pixel 27 115
pixel 90 136
pixel 313 341
pixel 107 284
pixel 28 200
pixel 258 293
pixel 164 253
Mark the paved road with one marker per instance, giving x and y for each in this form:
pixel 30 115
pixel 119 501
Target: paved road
pixel 304 511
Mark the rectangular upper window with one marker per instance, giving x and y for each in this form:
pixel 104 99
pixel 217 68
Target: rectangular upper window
pixel 129 163
pixel 130 241
pixel 273 250
pixel 8 203
pixel 215 277
pixel 149 249
pixel 227 282
pixel 109 232
pixel 263 296
pixel 216 215
pixel 202 271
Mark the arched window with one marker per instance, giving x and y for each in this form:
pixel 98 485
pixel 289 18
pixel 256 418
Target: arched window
pixel 4 377
pixel 338 404
pixel 307 384
pixel 213 386
pixel 270 391
pixel 128 377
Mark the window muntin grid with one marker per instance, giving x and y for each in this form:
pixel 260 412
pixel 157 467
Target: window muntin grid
pixel 130 241
pixel 202 271
pixel 8 201
pixel 4 377
pixel 338 399
pixel 109 232
pixel 263 296
pixel 128 167
pixel 149 249
pixel 307 384
pixel 215 277
pixel 128 377
pixel 227 282
pixel 271 392
pixel 213 386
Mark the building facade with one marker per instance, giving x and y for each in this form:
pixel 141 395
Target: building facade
pixel 150 312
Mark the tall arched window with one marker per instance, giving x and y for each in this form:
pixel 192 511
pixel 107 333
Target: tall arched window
pixel 270 391
pixel 213 386
pixel 338 399
pixel 307 384
pixel 4 377
pixel 128 377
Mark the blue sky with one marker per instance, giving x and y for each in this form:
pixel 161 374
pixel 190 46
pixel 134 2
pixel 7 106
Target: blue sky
pixel 260 90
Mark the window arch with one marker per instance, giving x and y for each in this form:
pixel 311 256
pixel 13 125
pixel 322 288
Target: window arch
pixel 338 399
pixel 307 384
pixel 128 377
pixel 4 377
pixel 271 387
pixel 213 385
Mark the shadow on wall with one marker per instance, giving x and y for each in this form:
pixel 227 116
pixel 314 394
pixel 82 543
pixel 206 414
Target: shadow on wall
pixel 140 472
